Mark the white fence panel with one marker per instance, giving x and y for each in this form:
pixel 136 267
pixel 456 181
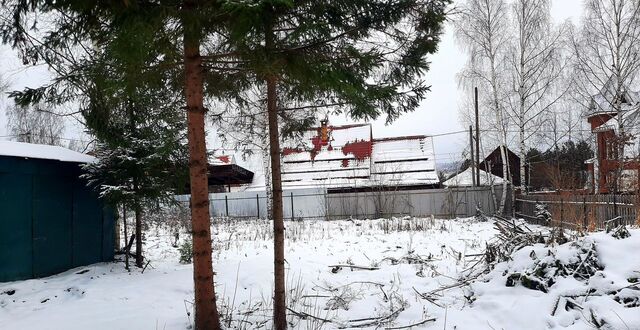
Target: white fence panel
pixel 317 203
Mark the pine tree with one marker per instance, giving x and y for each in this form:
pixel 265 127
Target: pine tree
pixel 170 34
pixel 360 57
pixel 141 150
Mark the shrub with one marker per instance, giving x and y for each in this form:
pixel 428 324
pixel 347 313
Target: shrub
pixel 186 252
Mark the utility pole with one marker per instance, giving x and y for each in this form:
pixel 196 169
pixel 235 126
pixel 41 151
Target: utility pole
pixel 472 158
pixel 477 137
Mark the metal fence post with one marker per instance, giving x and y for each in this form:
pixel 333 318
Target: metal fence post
pixel 584 211
pixel 326 204
pixel 258 205
pixel 226 205
pixel 561 212
pixel 292 213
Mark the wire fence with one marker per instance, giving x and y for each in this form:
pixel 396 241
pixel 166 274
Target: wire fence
pixel 320 203
pixel 583 212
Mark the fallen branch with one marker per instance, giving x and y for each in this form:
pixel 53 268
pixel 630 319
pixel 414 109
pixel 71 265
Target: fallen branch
pixel 304 316
pixel 353 267
pixel 411 325
pixel 427 297
pixel 461 283
pixel 375 321
pixel 145 266
pixel 409 259
pixel 315 296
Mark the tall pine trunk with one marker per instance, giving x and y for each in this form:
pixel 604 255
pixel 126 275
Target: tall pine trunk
pixel 279 298
pixel 117 237
pixel 137 210
pixel 126 238
pixel 206 313
pixel 138 214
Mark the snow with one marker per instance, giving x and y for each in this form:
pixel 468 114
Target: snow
pixel 464 179
pixel 604 100
pixel 107 297
pixel 535 309
pixel 408 161
pixel 40 151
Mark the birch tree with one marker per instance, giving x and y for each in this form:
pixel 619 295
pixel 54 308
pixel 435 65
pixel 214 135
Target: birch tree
pixel 606 50
pixel 535 67
pixel 483 32
pixel 34 124
pixel 243 126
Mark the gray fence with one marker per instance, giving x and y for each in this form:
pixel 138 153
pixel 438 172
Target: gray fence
pixel 318 203
pixel 580 211
pixel 442 203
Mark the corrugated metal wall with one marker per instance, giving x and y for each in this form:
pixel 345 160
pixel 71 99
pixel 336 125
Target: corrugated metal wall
pixel 49 220
pixel 309 202
pixel 441 203
pixel 317 203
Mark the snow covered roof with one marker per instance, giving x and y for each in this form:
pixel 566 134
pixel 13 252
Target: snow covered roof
pixel 604 100
pixel 631 122
pixel 405 160
pixel 41 151
pixel 342 155
pixel 464 179
pixel 349 156
pixel 222 160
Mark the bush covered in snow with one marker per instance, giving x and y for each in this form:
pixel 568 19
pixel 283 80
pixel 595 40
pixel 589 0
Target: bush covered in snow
pixel 589 281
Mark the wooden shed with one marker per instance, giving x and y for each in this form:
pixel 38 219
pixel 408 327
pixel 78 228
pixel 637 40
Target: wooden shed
pixel 50 221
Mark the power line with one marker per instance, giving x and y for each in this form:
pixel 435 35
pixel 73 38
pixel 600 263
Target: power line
pixel 449 133
pixel 44 136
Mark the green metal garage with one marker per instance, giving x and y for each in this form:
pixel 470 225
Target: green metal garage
pixel 50 221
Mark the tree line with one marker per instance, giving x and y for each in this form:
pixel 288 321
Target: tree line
pixel 537 77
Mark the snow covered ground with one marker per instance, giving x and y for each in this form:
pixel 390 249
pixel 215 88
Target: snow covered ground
pixel 355 273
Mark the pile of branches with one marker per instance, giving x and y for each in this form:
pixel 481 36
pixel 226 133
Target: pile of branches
pixel 341 297
pixel 545 270
pixel 512 236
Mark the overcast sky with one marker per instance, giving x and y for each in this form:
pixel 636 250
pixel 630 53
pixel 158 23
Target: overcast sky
pixel 437 114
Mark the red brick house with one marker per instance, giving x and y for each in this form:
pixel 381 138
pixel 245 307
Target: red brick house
pixel 604 124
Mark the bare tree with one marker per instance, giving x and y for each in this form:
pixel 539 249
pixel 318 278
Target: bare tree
pixel 243 125
pixel 483 31
pixel 607 58
pixel 536 68
pixel 34 124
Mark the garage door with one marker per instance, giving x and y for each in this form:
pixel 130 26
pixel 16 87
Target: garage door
pixel 52 224
pixel 15 226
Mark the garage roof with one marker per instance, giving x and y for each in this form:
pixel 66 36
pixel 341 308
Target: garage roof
pixel 41 151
